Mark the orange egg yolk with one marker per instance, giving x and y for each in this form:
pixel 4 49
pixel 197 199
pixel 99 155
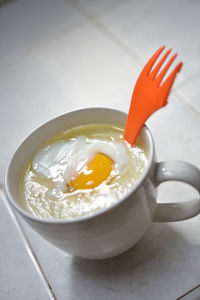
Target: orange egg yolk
pixel 94 174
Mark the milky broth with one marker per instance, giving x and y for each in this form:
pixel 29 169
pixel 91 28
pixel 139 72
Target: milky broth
pixel 36 191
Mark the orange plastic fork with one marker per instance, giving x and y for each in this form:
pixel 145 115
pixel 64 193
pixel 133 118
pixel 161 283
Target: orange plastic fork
pixel 149 93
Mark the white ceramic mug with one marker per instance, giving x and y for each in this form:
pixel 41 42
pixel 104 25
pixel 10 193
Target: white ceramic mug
pixel 119 227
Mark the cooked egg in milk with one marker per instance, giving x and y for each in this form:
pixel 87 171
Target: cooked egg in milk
pixel 81 171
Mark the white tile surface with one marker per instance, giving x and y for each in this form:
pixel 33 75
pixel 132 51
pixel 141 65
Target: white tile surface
pixel 146 25
pixel 83 68
pixel 175 129
pixel 164 263
pixel 27 24
pixel 189 92
pixel 54 58
pixel 18 277
pixel 96 7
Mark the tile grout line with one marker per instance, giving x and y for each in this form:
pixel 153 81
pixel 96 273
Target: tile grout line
pixel 183 99
pixel 117 41
pixel 28 246
pixel 188 80
pixel 105 30
pixel 95 21
pixel 85 12
pixel 12 59
pixel 189 292
pixel 88 16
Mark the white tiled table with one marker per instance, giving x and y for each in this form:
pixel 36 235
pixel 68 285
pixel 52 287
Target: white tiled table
pixel 56 56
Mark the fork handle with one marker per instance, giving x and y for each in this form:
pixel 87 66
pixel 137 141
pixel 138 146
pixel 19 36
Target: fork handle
pixel 134 124
pixel 178 171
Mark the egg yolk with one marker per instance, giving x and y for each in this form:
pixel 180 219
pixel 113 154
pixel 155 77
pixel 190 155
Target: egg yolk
pixel 96 172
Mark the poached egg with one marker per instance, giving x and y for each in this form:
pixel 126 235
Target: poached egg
pixel 80 163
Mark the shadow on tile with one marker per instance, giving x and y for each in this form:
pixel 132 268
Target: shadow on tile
pixel 162 261
pixel 154 244
pixel 3 2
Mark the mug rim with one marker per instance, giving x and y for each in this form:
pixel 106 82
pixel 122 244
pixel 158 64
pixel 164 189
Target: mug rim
pixel 26 214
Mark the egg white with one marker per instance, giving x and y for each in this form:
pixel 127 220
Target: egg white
pixel 64 160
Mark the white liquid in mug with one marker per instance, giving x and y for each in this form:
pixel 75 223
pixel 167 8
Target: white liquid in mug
pixel 81 171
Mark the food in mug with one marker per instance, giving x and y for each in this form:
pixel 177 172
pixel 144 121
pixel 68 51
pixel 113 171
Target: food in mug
pixel 81 171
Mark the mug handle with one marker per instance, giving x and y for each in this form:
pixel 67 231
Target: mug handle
pixel 178 171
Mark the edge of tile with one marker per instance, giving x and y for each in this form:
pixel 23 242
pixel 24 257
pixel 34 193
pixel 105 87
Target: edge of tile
pixel 27 245
pixel 188 80
pixel 185 100
pixel 94 20
pixel 189 292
